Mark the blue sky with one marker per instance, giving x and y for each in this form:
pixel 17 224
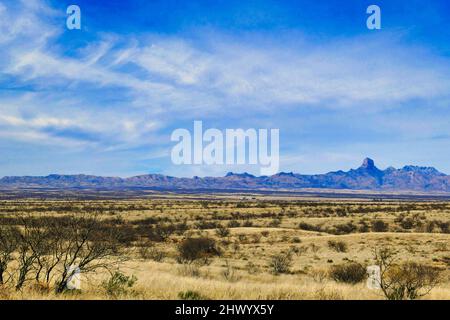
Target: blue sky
pixel 105 99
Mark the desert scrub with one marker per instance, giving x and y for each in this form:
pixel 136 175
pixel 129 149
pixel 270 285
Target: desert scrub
pixel 281 263
pixel 379 226
pixel 348 273
pixel 191 295
pixel 222 231
pixel 338 246
pixel 119 285
pixel 197 249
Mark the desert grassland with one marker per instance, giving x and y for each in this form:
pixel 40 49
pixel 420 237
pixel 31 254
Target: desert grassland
pixel 248 232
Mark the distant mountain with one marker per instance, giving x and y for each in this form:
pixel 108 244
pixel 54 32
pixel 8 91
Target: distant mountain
pixel 366 177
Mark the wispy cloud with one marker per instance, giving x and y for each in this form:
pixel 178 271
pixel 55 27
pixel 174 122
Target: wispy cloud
pixel 119 91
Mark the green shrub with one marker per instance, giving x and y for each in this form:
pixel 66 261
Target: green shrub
pixel 119 285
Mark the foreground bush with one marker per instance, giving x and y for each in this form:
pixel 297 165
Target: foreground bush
pixel 407 281
pixel 49 250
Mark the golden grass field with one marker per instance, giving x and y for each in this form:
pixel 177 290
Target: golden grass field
pixel 255 229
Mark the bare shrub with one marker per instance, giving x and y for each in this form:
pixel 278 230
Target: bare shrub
pixel 88 245
pixel 9 238
pixel 50 250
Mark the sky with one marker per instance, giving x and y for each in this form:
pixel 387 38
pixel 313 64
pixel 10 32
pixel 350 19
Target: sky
pixel 105 99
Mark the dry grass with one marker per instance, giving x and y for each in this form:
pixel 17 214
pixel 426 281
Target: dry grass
pixel 258 230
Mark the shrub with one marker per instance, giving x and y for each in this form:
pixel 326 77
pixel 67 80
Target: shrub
pixel 410 281
pixel 345 228
pixel 404 281
pixel 348 273
pixel 189 270
pixel 206 225
pixel 275 223
pixel 429 226
pixel 407 223
pixel 247 224
pixel 156 255
pixel 118 285
pixel 363 227
pixel 9 241
pixel 265 233
pixel 445 226
pixel 296 240
pixel 338 246
pixel 147 251
pixel 281 263
pixel 190 295
pixel 222 231
pixel 252 268
pixel 379 226
pixel 192 249
pixel 229 272
pixel 309 227
pixel 234 224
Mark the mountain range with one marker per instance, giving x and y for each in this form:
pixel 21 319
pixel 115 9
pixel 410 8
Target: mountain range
pixel 366 177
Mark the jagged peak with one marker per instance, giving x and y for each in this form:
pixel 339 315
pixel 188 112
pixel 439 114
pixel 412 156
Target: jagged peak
pixel 368 164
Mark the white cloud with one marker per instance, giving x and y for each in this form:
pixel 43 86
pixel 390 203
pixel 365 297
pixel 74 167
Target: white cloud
pixel 162 79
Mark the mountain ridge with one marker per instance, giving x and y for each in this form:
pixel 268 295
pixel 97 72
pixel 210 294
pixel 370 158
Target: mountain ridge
pixel 366 177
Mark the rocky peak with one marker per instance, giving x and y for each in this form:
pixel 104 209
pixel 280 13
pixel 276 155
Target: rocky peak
pixel 368 164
